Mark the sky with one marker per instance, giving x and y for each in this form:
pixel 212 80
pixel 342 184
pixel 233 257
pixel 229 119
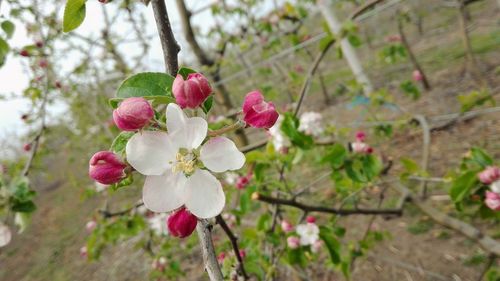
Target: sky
pixel 13 79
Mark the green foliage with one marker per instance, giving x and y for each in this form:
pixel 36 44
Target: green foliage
pixel 185 71
pixel 335 156
pixel 331 243
pixel 290 128
pixel 74 14
pixel 8 27
pixel 22 196
pixel 363 169
pixel 393 53
pixel 120 142
pixel 410 89
pixel 4 50
pixel 474 99
pixel 146 84
pixel 207 104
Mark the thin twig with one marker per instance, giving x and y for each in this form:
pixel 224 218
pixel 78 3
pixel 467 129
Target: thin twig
pixel 167 39
pixel 322 209
pixel 234 243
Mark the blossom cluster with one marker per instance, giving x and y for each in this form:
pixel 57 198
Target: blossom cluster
pixel 491 177
pixel 181 162
pixel 360 146
pixel 305 235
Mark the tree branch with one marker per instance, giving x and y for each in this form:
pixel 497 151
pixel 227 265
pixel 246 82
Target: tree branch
pixel 322 209
pixel 167 39
pixel 204 230
pixel 234 243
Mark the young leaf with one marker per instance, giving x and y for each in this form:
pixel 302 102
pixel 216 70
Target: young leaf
pixel 462 186
pixel 8 27
pixel 119 143
pixel 481 157
pixel 331 243
pixel 207 105
pixel 184 71
pixel 146 84
pixel 74 14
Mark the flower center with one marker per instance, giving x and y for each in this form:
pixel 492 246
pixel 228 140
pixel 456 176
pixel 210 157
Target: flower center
pixel 185 161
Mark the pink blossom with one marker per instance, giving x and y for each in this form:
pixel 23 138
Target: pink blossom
pixel 181 223
pixel 83 252
pixel 105 167
pixel 27 147
pixel 360 136
pixel 492 200
pixel 243 253
pixel 394 38
pixel 489 175
pixel 361 147
pixel 316 246
pixel 417 76
pixel 310 219
pixel 191 92
pixel 258 113
pixel 90 226
pixel 133 114
pixel 293 242
pixel 43 63
pixel 243 181
pixel 286 226
pixel 221 257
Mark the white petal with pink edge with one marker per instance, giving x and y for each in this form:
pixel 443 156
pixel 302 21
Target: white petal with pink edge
pixel 151 153
pixel 220 154
pixel 204 195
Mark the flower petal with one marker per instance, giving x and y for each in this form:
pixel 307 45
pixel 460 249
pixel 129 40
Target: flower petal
pixel 189 132
pixel 164 193
pixel 150 152
pixel 221 154
pixel 176 118
pixel 204 195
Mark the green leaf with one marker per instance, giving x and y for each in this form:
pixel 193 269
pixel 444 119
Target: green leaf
pixel 207 105
pixel 119 143
pixel 146 84
pixel 297 257
pixel 125 182
pixel 4 50
pixel 462 186
pixel 481 157
pixel 74 14
pixel 290 127
pixel 184 72
pixel 410 89
pixel 23 207
pixel 8 27
pixel 331 243
pixel 335 155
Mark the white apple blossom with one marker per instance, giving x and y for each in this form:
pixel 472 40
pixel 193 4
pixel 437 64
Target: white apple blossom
pixel 231 178
pixel 174 164
pixel 309 233
pixel 279 139
pixel 5 235
pixel 495 186
pixel 311 123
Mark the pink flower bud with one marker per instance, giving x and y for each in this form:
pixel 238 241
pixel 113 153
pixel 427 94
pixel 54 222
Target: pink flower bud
pixel 39 44
pixel 492 200
pixel 258 113
pixel 90 226
pixel 221 257
pixel 106 168
pixel 191 92
pixel 310 219
pixel 417 76
pixel 24 53
pixel 361 147
pixel 181 223
pixel 293 242
pixel 133 114
pixel 242 182
pixel 43 63
pixel 83 252
pixel 286 226
pixel 360 136
pixel 489 175
pixel 27 147
pixel 58 85
pixel 243 253
pixel 393 38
